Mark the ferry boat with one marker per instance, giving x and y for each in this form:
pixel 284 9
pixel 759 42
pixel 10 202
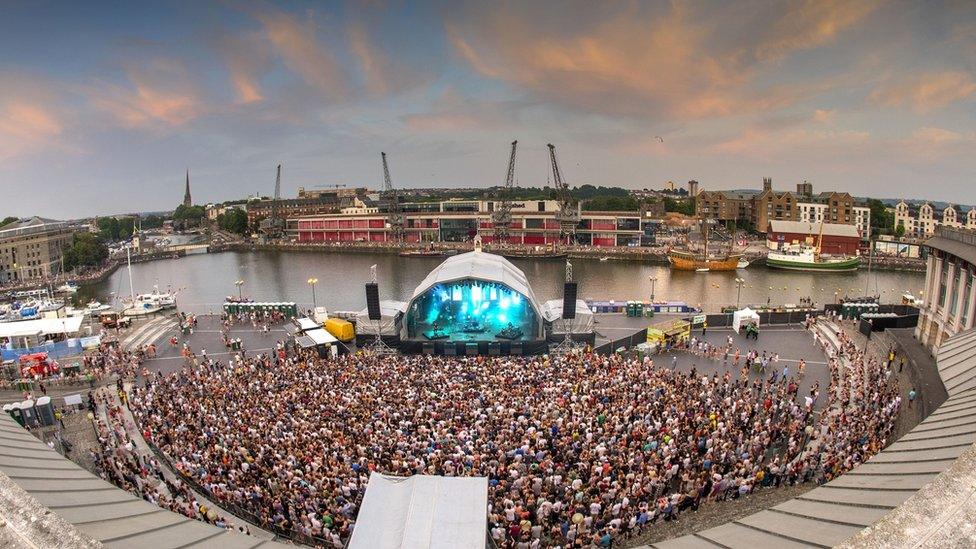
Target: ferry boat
pixel 421 253
pixel 807 258
pixel 804 257
pixel 703 261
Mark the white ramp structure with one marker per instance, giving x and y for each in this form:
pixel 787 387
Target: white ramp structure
pixel 422 512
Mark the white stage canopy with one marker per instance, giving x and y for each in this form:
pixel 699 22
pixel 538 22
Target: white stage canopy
pixel 422 512
pixel 390 313
pixel 552 311
pixel 743 317
pixel 480 266
pixel 43 326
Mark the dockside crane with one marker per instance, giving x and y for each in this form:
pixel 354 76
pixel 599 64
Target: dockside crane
pixel 394 216
pixel 501 217
pixel 568 215
pixel 273 226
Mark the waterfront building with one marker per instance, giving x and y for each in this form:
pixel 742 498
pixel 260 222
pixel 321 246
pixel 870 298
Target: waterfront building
pixel 533 223
pixel 761 207
pixel 921 221
pixel 949 304
pixel 838 238
pixel 308 203
pixel 32 248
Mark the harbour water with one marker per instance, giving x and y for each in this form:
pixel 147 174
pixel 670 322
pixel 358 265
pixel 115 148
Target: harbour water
pixel 204 280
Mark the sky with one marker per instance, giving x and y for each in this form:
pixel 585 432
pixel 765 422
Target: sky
pixel 105 105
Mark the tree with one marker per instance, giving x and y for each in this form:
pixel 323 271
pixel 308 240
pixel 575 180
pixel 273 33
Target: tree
pixel 8 220
pixel 900 230
pixel 126 228
pixel 685 206
pixel 151 222
pixel 234 220
pixel 108 229
pixel 881 218
pixel 611 204
pixel 86 250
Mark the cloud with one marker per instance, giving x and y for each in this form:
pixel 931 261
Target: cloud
pixel 758 143
pixel 925 92
pixel 296 43
pixel 27 127
pixel 811 24
pixel 247 58
pixel 452 112
pixel 374 64
pixel 670 64
pixel 159 94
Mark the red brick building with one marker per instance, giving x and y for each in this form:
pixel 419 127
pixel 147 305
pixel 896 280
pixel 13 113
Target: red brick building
pixel 838 238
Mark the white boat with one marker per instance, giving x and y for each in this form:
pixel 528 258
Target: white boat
pixel 742 264
pixel 94 307
pixel 67 288
pixel 604 259
pixel 145 304
pixel 701 270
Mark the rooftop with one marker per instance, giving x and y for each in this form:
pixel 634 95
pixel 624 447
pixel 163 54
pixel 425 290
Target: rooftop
pixel 31 225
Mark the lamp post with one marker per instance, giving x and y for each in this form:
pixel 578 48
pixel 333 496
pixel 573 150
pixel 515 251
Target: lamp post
pixel 739 283
pixel 653 279
pixel 312 282
pixel 240 293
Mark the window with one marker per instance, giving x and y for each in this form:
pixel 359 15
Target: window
pixel 955 292
pixel 943 280
pixel 966 296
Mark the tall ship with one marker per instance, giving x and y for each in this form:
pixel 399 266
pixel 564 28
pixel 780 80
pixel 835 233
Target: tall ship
pixel 703 260
pixel 804 257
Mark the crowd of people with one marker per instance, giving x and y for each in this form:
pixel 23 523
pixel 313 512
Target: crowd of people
pixel 579 450
pixel 120 462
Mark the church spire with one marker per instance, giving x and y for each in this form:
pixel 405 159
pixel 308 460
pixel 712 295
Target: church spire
pixel 187 201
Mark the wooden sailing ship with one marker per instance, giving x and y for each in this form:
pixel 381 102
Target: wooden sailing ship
pixel 703 260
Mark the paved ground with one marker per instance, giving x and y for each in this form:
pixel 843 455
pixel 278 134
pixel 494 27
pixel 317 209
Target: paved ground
pixel 792 344
pixel 206 336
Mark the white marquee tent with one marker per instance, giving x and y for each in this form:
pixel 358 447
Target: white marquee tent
pixel 422 512
pixel 744 317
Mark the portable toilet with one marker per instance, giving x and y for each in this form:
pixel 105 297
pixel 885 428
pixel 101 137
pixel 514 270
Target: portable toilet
pixel 29 412
pixel 15 413
pixel 45 411
pixel 638 308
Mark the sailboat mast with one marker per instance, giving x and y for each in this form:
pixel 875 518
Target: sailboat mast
pixel 128 261
pixel 705 232
pixel 820 238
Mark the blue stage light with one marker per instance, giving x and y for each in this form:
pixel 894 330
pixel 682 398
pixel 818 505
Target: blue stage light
pixel 456 294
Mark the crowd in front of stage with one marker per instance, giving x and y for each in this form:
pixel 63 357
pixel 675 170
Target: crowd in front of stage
pixel 579 450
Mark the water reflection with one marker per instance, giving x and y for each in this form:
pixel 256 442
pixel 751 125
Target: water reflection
pixel 204 280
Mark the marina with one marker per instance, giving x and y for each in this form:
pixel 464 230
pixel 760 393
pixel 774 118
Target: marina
pixel 205 280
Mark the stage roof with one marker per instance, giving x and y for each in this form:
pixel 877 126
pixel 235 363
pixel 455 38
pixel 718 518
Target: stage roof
pixel 422 512
pixel 482 266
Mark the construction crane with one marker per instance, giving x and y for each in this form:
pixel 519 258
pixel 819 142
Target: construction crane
pixel 273 226
pixel 501 217
pixel 568 215
pixel 394 212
